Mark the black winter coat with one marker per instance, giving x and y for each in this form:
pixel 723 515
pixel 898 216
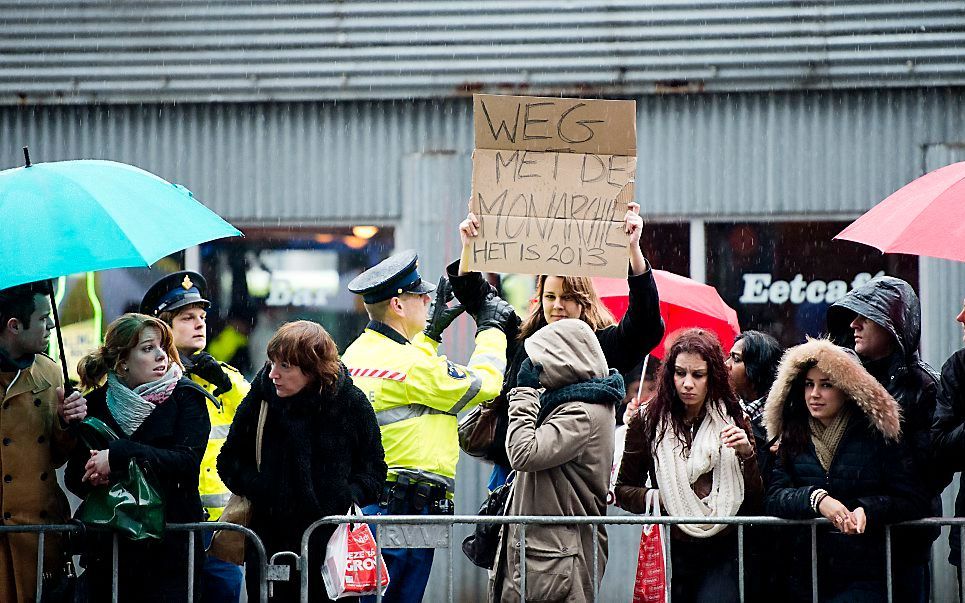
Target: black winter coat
pixel 171 443
pixel 893 304
pixel 949 433
pixel 624 344
pixel 321 452
pixel 866 472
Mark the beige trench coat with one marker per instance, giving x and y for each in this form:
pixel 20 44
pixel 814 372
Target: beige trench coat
pixel 563 469
pixel 33 445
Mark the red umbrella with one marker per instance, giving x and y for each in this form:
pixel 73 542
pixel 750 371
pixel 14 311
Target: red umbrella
pixel 684 303
pixel 924 217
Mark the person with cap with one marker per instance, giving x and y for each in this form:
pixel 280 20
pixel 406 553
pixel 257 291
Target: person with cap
pixel 178 299
pixel 881 321
pixel 417 393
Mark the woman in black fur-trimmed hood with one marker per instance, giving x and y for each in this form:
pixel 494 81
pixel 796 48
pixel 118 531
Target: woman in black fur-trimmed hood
pixel 321 449
pixel 840 457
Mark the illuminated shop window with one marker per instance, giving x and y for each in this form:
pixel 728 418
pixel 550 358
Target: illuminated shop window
pixel 273 276
pixel 782 276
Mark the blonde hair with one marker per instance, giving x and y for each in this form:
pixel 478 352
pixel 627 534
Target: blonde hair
pixel 378 310
pixel 594 313
pixel 308 346
pixel 122 336
pixel 169 315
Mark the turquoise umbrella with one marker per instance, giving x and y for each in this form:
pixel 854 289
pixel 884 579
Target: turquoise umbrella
pixel 67 217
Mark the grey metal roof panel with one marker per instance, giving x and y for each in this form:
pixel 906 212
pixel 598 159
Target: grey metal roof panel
pixel 751 155
pixel 160 50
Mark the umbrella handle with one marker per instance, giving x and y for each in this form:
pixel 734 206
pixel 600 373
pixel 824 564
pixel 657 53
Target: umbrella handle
pixel 60 339
pixel 643 374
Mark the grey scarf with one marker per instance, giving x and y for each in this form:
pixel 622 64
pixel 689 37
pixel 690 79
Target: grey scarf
pixel 130 407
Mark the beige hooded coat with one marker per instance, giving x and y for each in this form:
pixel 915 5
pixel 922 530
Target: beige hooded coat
pixel 562 466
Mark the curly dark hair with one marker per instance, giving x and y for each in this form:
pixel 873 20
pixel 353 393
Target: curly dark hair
pixel 668 405
pixel 762 353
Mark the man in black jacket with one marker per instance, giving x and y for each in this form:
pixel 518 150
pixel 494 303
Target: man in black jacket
pixel 948 432
pixel 881 321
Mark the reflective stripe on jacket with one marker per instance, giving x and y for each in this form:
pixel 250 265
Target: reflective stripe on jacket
pixel 416 393
pixel 214 494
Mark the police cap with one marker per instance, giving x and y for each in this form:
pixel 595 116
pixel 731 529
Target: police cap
pixel 391 277
pixel 175 291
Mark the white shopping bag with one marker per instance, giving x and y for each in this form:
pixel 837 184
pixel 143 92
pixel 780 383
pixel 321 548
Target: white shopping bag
pixel 349 569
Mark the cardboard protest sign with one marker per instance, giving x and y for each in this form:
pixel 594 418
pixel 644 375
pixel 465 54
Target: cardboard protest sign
pixel 551 180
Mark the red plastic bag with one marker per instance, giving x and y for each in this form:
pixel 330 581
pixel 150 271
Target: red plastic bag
pixel 651 582
pixel 349 569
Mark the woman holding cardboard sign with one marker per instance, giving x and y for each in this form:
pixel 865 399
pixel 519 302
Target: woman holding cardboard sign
pixel 624 344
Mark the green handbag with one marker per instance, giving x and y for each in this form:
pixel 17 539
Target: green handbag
pixel 130 505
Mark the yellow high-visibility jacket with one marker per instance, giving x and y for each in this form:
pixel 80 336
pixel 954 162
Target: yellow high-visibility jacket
pixel 416 393
pixel 214 494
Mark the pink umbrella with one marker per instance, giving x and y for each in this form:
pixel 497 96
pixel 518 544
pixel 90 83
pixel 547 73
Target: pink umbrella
pixel 684 303
pixel 924 217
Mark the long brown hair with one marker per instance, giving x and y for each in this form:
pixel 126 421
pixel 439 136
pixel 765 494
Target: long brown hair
pixel 122 337
pixel 308 346
pixel 667 407
pixel 594 313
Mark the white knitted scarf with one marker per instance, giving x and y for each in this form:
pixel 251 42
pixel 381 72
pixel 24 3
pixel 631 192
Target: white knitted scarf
pixel 677 469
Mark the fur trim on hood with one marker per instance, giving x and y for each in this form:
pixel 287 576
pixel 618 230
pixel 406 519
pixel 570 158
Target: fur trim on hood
pixel 846 374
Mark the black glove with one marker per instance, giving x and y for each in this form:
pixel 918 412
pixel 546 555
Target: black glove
pixel 440 314
pixel 529 374
pixel 205 365
pixel 496 313
pixel 471 289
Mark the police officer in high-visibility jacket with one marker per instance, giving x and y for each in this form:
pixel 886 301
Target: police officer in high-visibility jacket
pixel 416 394
pixel 179 300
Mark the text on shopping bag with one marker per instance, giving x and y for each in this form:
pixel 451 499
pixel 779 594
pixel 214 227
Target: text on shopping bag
pixel 551 181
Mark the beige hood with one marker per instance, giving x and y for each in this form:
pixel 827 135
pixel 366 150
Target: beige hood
pixel 568 351
pixel 845 372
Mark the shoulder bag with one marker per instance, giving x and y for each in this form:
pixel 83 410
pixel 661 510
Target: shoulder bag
pixel 480 546
pixel 477 430
pixel 131 505
pixel 229 545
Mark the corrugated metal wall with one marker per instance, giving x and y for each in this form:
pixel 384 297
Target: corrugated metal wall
pixel 752 154
pixel 265 163
pixel 199 50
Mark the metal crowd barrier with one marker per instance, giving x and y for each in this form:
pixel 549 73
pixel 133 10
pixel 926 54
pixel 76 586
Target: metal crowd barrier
pixel 191 528
pixel 387 522
pixel 409 531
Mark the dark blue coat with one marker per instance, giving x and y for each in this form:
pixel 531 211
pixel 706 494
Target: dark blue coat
pixel 868 472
